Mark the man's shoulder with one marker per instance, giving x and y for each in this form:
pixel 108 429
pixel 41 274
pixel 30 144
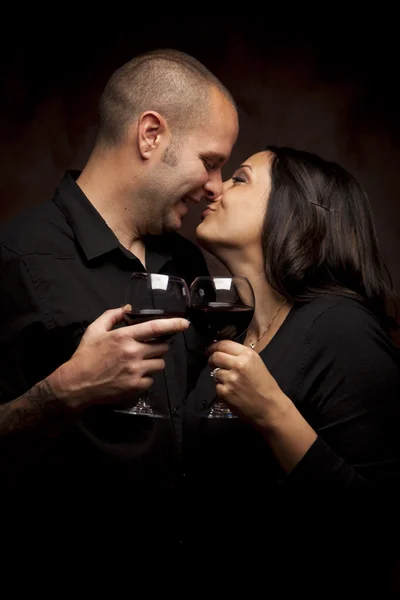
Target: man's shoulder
pixel 35 230
pixel 183 248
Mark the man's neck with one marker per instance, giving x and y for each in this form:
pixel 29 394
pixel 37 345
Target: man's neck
pixel 100 183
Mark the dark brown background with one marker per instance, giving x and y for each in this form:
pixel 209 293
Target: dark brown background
pixel 328 86
pixel 324 80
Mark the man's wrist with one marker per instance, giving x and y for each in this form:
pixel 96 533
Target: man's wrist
pixel 62 383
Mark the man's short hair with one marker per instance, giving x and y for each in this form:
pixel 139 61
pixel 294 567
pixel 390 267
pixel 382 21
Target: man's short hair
pixel 169 82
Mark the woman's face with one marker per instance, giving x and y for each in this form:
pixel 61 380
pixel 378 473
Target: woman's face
pixel 235 219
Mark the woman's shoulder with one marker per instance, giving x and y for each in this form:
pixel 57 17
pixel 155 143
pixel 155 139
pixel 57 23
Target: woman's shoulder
pixel 343 322
pixel 333 309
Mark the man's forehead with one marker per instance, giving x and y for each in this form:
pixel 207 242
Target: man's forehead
pixel 215 140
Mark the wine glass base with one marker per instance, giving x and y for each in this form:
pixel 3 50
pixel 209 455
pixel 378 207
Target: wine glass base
pixel 142 408
pixel 220 411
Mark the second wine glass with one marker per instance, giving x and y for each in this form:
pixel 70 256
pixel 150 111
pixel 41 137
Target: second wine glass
pixel 221 308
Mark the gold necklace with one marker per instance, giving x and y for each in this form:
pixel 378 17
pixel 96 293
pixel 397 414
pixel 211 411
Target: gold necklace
pixel 253 344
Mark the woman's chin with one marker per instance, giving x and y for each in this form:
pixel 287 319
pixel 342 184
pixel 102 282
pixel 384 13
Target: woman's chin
pixel 204 237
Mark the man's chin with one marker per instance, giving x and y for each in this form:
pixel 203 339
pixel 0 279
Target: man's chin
pixel 172 225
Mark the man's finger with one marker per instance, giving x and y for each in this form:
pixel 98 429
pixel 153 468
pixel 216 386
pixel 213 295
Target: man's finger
pixel 108 320
pixel 145 383
pixel 154 350
pixel 156 328
pixel 153 365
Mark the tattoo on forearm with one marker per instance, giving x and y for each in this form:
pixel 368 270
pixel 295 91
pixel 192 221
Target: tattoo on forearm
pixel 30 421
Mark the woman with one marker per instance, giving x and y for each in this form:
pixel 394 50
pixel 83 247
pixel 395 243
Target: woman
pixel 315 456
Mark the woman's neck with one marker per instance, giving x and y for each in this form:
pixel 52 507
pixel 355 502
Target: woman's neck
pixel 271 308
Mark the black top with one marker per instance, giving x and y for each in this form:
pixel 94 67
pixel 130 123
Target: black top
pixel 340 369
pixel 61 267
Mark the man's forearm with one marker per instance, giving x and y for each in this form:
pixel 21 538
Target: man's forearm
pixel 30 421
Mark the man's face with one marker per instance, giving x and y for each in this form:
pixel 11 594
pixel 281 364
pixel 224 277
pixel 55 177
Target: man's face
pixel 190 169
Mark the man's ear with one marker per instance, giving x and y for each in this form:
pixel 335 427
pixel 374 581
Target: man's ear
pixel 152 127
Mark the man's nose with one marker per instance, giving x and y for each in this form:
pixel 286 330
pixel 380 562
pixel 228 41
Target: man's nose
pixel 213 187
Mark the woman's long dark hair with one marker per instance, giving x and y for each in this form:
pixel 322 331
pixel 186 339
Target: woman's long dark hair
pixel 319 236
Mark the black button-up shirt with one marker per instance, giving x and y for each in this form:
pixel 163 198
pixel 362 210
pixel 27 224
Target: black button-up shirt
pixel 62 267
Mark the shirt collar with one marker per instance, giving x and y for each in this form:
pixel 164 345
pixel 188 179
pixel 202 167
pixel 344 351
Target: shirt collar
pixel 91 231
pixel 93 234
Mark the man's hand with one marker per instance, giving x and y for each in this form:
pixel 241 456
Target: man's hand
pixel 112 364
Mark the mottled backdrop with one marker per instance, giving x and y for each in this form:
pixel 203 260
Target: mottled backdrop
pixel 324 83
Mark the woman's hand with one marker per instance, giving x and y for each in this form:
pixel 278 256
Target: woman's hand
pixel 245 384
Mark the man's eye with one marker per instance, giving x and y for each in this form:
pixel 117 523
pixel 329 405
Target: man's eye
pixel 208 166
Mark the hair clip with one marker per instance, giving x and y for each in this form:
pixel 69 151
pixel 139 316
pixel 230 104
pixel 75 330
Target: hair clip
pixel 321 206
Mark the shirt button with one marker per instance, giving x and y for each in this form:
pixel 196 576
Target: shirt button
pixel 176 410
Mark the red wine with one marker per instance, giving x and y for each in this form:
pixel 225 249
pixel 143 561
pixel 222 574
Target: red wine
pixel 151 314
pixel 221 320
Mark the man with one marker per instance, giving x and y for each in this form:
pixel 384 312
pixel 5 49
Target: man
pixel 166 127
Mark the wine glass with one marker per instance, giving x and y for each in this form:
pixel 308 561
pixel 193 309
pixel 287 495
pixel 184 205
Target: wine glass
pixel 153 296
pixel 221 308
